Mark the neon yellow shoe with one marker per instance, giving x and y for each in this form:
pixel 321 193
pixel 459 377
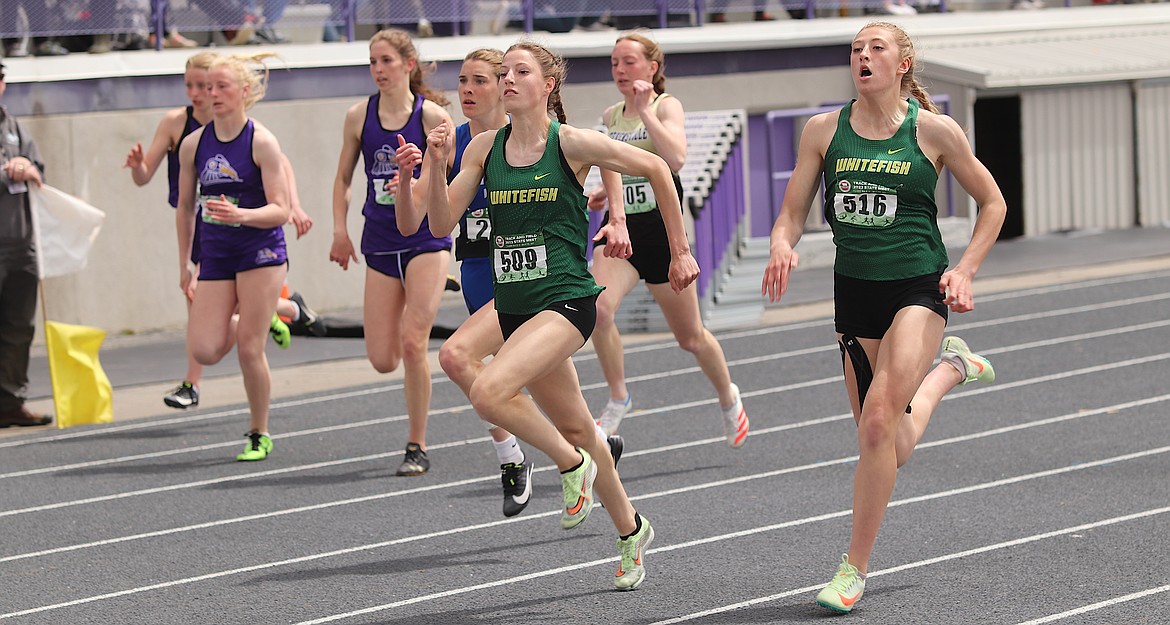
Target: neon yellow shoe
pixel 632 571
pixel 280 333
pixel 258 447
pixel 577 486
pixel 846 587
pixel 977 367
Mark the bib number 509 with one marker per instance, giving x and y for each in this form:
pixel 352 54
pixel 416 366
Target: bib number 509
pixel 518 260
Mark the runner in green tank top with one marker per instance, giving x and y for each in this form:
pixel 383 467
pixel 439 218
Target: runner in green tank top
pixel 538 253
pixel 479 336
pixel 879 199
pixel 650 119
pixel 880 157
pixel 539 229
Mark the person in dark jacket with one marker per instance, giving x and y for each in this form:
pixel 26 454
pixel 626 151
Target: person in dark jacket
pixel 20 166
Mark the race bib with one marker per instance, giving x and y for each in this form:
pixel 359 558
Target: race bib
pixel 479 226
pixel 520 257
pixel 865 204
pixel 211 220
pixel 638 195
pixel 381 195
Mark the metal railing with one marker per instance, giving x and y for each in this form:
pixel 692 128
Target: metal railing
pixel 21 19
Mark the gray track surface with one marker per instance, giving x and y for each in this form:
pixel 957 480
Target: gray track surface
pixel 1042 495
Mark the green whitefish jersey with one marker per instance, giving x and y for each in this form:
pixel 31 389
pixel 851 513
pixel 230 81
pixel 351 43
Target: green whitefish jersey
pixel 540 227
pixel 879 200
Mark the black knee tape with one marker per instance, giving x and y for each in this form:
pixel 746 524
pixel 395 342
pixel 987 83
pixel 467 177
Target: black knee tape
pixel 861 369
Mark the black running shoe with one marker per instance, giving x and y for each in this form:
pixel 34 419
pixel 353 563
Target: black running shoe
pixel 184 395
pixel 615 447
pixel 452 284
pixel 415 462
pixel 309 322
pixel 517 487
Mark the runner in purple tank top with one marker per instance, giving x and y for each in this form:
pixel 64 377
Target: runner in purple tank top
pixel 405 274
pixel 174 127
pixel 236 168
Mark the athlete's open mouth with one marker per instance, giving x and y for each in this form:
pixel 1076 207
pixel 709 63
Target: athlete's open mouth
pixel 865 72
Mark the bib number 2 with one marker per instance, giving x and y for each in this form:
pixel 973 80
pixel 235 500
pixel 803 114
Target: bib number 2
pixel 479 226
pixel 519 258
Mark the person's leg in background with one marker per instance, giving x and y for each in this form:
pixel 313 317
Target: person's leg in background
pixel 18 302
pixel 237 21
pixel 41 19
pixel 273 11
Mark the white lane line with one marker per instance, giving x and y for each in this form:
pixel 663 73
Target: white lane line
pixel 921 563
pixel 248 476
pixel 377 390
pixel 1097 606
pixel 439 378
pixel 291 403
pixel 777 526
pixel 597 385
pixel 979 391
pixel 1073 310
pixel 1078 337
pixel 362 548
pixel 952 329
pixel 1071 286
pixel 668 448
pixel 1106 410
pixel 185 450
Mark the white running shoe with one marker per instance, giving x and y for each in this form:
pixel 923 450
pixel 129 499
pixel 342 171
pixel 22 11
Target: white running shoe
pixel 613 413
pixel 735 421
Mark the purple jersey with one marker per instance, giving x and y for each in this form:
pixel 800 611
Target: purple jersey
pixel 381 235
pixel 228 169
pixel 173 157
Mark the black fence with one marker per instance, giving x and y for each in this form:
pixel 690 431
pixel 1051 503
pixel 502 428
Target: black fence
pixel 34 26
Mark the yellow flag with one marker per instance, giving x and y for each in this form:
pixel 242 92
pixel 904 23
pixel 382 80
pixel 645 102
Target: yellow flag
pixel 81 391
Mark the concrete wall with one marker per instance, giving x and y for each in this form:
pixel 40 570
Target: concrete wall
pixel 131 283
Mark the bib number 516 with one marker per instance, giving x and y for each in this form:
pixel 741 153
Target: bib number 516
pixel 866 209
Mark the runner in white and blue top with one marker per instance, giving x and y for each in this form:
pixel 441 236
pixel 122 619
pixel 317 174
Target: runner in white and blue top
pixel 472 244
